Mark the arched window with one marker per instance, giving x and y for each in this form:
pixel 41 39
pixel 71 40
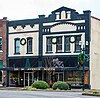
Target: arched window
pixel 17 45
pixel 29 44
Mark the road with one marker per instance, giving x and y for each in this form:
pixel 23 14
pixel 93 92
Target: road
pixel 41 94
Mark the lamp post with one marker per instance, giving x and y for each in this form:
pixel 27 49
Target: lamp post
pixel 83 88
pixel 83 63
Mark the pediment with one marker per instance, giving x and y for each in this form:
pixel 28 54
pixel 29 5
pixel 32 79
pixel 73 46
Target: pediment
pixel 63 9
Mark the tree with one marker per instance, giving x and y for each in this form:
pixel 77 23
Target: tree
pixel 81 58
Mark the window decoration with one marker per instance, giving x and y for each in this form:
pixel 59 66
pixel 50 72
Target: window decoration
pixel 23 41
pixel 72 39
pixel 54 40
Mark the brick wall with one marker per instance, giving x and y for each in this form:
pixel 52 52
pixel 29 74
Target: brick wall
pixel 3 53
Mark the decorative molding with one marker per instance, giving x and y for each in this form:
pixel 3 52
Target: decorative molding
pixel 63 27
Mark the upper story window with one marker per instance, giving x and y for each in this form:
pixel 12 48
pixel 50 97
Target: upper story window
pixel 17 45
pixel 63 15
pixel 59 44
pixel 0 44
pixel 49 44
pixel 67 44
pixel 68 15
pixel 77 46
pixel 29 44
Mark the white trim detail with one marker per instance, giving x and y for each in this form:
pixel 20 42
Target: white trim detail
pixel 63 27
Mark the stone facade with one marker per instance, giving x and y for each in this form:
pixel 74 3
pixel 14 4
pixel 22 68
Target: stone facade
pixel 95 53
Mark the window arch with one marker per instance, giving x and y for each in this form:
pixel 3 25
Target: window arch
pixel 29 44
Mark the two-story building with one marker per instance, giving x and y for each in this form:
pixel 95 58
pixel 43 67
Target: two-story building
pixel 47 48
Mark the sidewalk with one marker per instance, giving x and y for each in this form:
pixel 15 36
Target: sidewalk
pixel 22 88
pixel 11 88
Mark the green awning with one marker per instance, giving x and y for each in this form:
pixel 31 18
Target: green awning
pixel 1 63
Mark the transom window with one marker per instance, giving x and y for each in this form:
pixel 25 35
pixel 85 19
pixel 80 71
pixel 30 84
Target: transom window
pixel 49 44
pixel 17 46
pixel 59 44
pixel 29 45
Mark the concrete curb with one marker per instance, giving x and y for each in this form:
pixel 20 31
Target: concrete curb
pixel 91 94
pixel 11 88
pixel 22 88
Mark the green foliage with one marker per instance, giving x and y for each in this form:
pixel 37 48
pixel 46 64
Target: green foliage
pixel 81 58
pixel 40 85
pixel 69 86
pixel 60 85
pixel 95 92
pixel 29 88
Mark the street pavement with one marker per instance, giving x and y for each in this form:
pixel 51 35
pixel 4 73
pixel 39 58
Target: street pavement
pixel 41 94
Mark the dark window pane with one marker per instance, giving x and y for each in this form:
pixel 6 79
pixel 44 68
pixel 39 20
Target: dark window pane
pixel 77 46
pixel 59 44
pixel 49 44
pixel 0 44
pixel 67 44
pixel 17 45
pixel 29 45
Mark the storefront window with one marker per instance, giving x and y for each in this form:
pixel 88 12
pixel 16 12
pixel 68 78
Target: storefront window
pixel 74 77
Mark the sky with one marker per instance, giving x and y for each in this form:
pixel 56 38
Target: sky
pixel 28 9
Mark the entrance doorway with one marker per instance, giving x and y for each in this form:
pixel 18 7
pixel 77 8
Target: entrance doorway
pixel 59 76
pixel 28 78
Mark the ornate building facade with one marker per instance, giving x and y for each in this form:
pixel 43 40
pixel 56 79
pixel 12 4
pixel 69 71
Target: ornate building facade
pixel 47 48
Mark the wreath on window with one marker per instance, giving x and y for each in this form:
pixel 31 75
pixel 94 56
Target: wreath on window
pixel 23 41
pixel 54 40
pixel 72 39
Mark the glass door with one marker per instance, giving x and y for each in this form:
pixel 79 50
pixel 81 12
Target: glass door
pixel 59 76
pixel 28 78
